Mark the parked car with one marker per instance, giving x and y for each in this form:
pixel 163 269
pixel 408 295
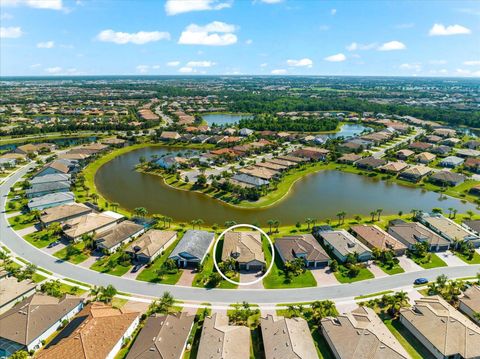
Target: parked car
pixel 53 244
pixel 136 268
pixel 421 281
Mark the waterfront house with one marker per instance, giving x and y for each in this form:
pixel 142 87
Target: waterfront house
pixel 370 163
pixel 425 157
pixel 415 173
pixel 374 237
pixel 192 249
pixel 448 228
pixel 287 338
pixel 271 166
pixel 91 223
pixel 98 331
pixel 342 243
pixel 469 303
pixel 27 324
pixel 472 225
pixel 114 142
pixel 112 239
pixel 162 337
pixel 451 161
pixel 447 178
pixel 393 167
pixel 63 213
pixel 221 340
pixel 169 136
pixel 171 161
pixel 64 166
pixel 57 177
pixel 245 247
pixel 411 233
pixel 150 245
pixel 12 291
pixel 303 246
pixel 442 329
pixel 349 158
pixel 249 180
pixel 41 189
pixel 445 132
pixel 50 200
pixel 259 172
pixel 361 334
pixel 311 153
pixel 245 132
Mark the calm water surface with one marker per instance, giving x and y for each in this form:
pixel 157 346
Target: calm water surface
pixel 320 195
pixel 223 118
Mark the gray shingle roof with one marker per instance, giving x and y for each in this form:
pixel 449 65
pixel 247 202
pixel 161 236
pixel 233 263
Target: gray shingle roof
pixel 193 242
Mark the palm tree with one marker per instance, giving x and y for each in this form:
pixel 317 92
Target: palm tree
pixel 379 212
pixel 168 220
pixel 114 206
pixel 373 213
pixel 95 198
pixel 87 190
pixel 36 214
pixel 229 224
pixel 200 222
pixel 140 212
pixel 308 221
pixel 276 224
pixel 455 213
pixel 470 214
pixel 270 223
pixel 450 211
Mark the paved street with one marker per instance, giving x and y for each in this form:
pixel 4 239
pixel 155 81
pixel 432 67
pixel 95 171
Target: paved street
pixel 18 246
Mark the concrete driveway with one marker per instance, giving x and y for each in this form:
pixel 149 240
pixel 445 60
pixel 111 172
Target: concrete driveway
pixel 408 265
pixel 246 277
pixel 324 276
pixel 451 259
pixel 376 270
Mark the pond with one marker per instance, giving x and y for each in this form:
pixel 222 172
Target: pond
pixel 222 119
pixel 320 195
pixel 349 130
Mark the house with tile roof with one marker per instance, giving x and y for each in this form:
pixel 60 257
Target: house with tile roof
pixel 411 233
pixel 245 247
pixel 374 237
pixel 469 303
pixel 150 245
pixel 112 239
pixel 90 223
pixel 303 246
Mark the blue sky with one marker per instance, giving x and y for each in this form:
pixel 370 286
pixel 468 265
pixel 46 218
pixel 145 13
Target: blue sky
pixel 292 37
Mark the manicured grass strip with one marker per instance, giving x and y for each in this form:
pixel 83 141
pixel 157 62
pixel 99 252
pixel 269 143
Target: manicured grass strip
pixel 6 250
pixel 208 268
pixel 411 344
pixel 323 350
pixel 44 271
pixel 276 278
pixel 110 265
pixel 396 269
pixel 22 221
pixel 343 277
pixel 149 274
pixel 41 239
pixel 37 278
pixel 474 260
pixel 76 258
pixel 77 282
pixel 433 262
pixel 373 294
pixel 23 260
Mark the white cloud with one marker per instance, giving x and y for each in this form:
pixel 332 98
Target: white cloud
pixel 138 38
pixel 392 46
pixel 54 70
pixel 46 45
pixel 173 63
pixel 411 67
pixel 34 66
pixel 467 73
pixel 271 1
pixel 264 64
pixel 355 46
pixel 248 41
pixel 37 4
pixel 442 30
pixel 472 63
pixel 336 58
pixel 279 72
pixel 175 7
pixel 333 11
pixel 216 33
pixel 185 70
pixel 143 69
pixel 6 16
pixel 306 62
pixel 200 64
pixel 10 32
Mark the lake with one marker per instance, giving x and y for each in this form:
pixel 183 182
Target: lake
pixel 223 118
pixel 320 195
pixel 349 130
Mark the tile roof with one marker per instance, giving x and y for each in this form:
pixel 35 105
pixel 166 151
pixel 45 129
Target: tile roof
pixel 76 227
pixel 57 214
pixel 244 246
pixel 151 242
pixel 116 235
pixel 291 246
pixel 377 238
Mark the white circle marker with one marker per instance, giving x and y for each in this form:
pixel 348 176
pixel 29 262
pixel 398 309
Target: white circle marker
pixel 215 251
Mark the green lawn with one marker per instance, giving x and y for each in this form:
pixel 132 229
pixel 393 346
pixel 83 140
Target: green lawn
pixel 276 278
pixel 396 269
pixel 41 239
pixel 411 344
pixel 208 268
pixel 434 262
pixel 37 278
pixel 75 259
pixel 475 259
pixel 342 275
pixel 323 350
pixel 22 221
pixel 149 274
pixel 110 265
pixel 373 294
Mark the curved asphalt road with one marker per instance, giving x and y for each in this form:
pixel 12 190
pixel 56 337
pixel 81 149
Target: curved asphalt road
pixel 65 269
